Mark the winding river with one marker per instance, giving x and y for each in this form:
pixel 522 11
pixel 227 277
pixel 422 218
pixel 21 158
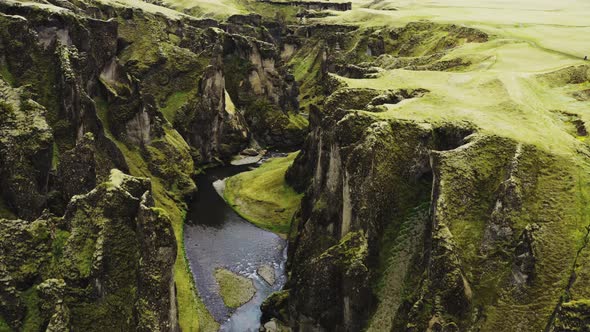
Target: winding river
pixel 215 236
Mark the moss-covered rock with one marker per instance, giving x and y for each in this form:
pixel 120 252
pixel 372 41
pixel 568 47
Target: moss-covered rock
pixel 276 305
pixel 572 316
pixel 235 289
pixel 77 170
pixel 483 244
pixel 113 269
pixel 26 144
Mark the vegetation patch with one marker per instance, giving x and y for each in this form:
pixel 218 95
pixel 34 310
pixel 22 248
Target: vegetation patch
pixel 262 196
pixel 193 315
pixel 33 319
pixel 6 75
pixel 4 326
pixel 173 104
pixel 235 289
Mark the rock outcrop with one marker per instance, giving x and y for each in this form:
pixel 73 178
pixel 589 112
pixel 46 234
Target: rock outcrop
pixel 415 225
pixel 26 145
pixel 314 5
pixel 87 87
pixel 106 263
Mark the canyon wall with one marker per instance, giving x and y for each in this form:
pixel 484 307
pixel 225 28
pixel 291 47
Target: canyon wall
pixel 91 92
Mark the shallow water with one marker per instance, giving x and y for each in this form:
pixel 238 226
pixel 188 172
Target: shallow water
pixel 215 236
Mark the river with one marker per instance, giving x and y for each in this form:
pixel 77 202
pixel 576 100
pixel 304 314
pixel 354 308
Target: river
pixel 215 236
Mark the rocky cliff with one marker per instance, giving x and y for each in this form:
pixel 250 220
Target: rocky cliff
pixel 87 87
pixel 431 226
pixel 429 223
pixel 445 178
pixel 107 263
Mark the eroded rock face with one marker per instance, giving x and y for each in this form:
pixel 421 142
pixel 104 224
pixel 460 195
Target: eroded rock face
pixel 215 124
pixel 26 144
pixel 77 169
pixel 443 211
pixel 112 254
pixel 53 71
pixel 347 208
pixel 86 87
pixel 259 83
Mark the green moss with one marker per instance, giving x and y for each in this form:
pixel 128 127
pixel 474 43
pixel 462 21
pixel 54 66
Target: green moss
pixel 108 313
pixel 144 32
pixel 282 14
pixel 234 289
pixel 173 104
pixel 6 75
pixel 262 196
pixel 306 64
pixel 33 320
pixel 320 204
pixel 297 122
pixel 573 316
pixel 4 326
pixel 43 78
pixel 167 72
pixel 277 304
pixel 268 120
pixel 58 244
pixel 85 257
pixel 116 88
pixel 398 265
pixel 351 251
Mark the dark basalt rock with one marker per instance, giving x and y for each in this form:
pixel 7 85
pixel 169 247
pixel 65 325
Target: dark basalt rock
pixel 251 19
pixel 523 270
pixel 11 304
pixel 77 168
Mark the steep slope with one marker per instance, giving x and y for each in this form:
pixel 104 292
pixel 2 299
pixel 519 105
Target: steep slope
pixel 91 86
pixel 445 177
pixel 107 263
pixel 445 167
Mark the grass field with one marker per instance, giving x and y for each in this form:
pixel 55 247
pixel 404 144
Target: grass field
pixel 505 91
pixel 522 84
pixel 262 197
pixel 561 26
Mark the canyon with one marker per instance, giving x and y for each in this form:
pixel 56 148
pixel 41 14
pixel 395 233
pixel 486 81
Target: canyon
pixel 436 177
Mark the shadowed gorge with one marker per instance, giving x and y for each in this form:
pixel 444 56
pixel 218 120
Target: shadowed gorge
pixel 253 165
